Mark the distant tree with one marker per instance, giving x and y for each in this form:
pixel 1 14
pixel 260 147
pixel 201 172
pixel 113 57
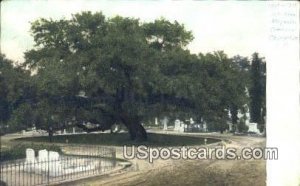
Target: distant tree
pixel 225 88
pixel 15 91
pixel 257 90
pixel 242 80
pixel 5 70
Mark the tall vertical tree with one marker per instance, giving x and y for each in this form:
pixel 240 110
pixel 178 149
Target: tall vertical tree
pixel 257 90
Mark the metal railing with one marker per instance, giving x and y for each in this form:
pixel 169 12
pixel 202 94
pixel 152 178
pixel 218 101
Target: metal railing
pixel 77 162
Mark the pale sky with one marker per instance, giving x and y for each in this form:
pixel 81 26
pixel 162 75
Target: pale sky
pixel 235 27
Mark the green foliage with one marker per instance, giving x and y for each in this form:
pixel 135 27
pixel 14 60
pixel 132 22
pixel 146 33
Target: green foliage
pixel 22 117
pixel 242 127
pixel 258 89
pixel 164 35
pixel 112 61
pixel 121 139
pixel 18 151
pixel 119 70
pixel 15 89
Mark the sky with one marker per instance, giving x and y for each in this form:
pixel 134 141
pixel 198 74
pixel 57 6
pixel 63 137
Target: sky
pixel 236 27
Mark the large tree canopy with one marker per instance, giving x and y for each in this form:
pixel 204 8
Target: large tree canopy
pixel 98 70
pixel 116 63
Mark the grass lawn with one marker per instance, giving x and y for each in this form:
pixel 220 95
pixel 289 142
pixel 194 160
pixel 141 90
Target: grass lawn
pixel 121 139
pixel 18 150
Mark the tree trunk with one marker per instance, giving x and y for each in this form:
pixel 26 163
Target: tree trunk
pixel 234 118
pixel 136 131
pixel 50 132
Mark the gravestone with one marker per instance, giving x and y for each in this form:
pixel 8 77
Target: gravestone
pixel 165 126
pixel 65 132
pixel 204 126
pixel 182 126
pixel 49 162
pixel 42 160
pixel 156 121
pixel 55 167
pixel 43 155
pixel 74 130
pixel 30 157
pixel 30 160
pixel 53 156
pixel 247 121
pixel 165 123
pixel 253 128
pixel 117 128
pixel 177 125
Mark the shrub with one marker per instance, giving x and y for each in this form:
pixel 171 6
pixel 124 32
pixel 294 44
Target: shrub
pixel 18 151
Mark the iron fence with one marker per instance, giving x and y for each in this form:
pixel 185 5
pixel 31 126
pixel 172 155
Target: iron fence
pixel 77 162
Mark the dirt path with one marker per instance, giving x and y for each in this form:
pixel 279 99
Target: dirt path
pixel 193 172
pixel 188 172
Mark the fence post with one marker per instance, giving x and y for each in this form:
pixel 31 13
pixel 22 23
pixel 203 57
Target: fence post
pixel 15 169
pixel 0 168
pixel 19 174
pixel 114 156
pixel 48 171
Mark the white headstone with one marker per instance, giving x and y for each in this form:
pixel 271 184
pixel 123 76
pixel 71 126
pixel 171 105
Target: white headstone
pixel 53 156
pixel 55 166
pixel 74 130
pixel 165 126
pixel 43 155
pixel 247 121
pixel 156 121
pixel 184 127
pixel 30 157
pixel 165 122
pixel 253 128
pixel 204 126
pixel 54 163
pixel 177 125
pixel 65 132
